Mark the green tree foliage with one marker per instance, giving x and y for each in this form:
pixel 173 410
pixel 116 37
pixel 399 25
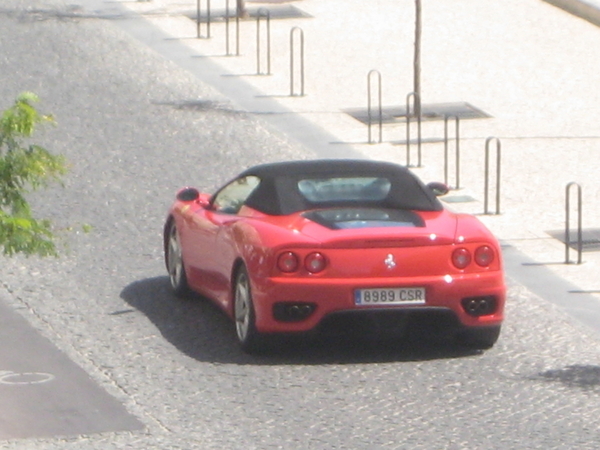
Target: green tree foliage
pixel 25 167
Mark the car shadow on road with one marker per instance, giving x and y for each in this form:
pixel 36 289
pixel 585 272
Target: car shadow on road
pixel 199 329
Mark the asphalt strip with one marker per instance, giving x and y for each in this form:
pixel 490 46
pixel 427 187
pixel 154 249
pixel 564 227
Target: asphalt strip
pixel 43 393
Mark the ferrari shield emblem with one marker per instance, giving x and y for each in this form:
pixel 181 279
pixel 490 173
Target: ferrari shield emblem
pixel 389 261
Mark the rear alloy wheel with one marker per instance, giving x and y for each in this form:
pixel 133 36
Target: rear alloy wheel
pixel 479 338
pixel 243 311
pixel 175 264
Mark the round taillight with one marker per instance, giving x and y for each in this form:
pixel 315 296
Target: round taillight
pixel 484 255
pixel 461 258
pixel 287 262
pixel 315 262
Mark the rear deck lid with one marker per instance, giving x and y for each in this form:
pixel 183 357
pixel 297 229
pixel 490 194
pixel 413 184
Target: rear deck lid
pixel 377 227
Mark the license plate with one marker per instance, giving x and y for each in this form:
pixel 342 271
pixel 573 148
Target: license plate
pixel 389 296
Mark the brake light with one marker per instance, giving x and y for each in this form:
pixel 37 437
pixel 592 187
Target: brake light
pixel 461 258
pixel 287 262
pixel 484 255
pixel 315 262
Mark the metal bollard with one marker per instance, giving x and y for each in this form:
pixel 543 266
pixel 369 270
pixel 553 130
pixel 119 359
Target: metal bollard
pixel 457 150
pixel 369 98
pixel 263 12
pixel 416 98
pixel 487 173
pixel 199 18
pixel 237 31
pixel 293 31
pixel 579 223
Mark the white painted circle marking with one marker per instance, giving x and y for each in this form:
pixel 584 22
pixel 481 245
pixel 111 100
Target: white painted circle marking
pixel 25 378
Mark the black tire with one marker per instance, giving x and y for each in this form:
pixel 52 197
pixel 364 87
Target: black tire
pixel 479 338
pixel 244 316
pixel 175 266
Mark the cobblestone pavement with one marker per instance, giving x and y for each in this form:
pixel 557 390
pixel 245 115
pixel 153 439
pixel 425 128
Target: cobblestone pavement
pixel 136 126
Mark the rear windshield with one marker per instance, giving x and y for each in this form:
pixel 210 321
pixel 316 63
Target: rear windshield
pixel 320 190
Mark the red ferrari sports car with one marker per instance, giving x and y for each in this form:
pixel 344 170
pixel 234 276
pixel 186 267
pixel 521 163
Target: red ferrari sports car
pixel 305 245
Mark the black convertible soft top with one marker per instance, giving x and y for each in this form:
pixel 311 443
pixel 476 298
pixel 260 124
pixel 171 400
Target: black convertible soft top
pixel 278 192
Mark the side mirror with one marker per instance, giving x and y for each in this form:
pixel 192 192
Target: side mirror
pixel 204 200
pixel 188 195
pixel 438 188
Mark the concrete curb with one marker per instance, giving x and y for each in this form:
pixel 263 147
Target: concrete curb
pixel 580 8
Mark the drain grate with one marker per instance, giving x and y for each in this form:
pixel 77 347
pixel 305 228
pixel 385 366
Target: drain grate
pixel 590 241
pixel 275 11
pixel 434 111
pixel 270 1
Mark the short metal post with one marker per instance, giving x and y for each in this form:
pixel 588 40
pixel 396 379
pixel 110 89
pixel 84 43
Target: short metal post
pixel 263 12
pixel 369 102
pixel 199 18
pixel 237 31
pixel 579 223
pixel 416 98
pixel 198 34
pixel 457 149
pixel 208 18
pixel 227 28
pixel 296 30
pixel 487 173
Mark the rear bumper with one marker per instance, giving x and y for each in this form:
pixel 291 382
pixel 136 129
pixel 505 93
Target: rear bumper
pixel 336 296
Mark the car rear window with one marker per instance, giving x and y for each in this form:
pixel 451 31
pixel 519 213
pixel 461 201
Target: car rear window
pixel 343 189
